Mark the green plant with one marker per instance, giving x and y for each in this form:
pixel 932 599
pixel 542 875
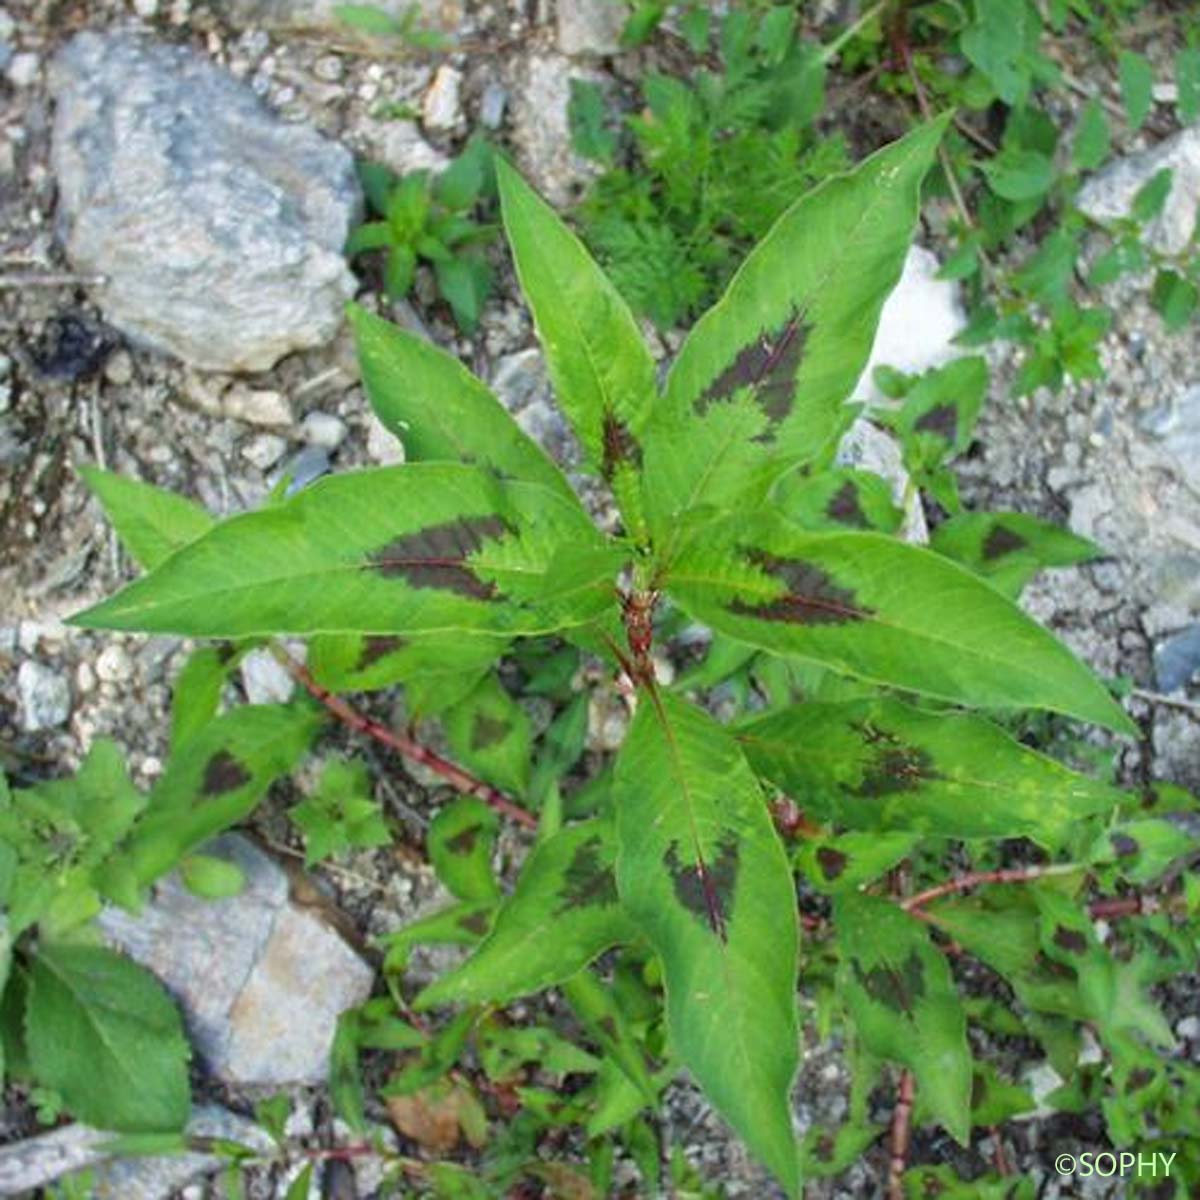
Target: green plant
pixel 665 896
pixel 711 162
pixel 431 219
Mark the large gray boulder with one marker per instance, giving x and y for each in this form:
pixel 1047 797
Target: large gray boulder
pixel 218 227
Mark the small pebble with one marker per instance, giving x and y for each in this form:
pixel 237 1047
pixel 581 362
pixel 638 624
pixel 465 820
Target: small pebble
pixel 24 69
pixel 492 105
pixel 265 450
pixel 256 406
pixel 85 678
pixel 113 665
pixel 329 69
pixel 118 370
pixel 146 8
pixel 324 429
pixel 44 696
pixel 383 447
pixel 441 109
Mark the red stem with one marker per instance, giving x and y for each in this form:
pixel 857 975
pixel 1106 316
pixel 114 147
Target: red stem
pixel 972 880
pixel 453 774
pixel 901 1132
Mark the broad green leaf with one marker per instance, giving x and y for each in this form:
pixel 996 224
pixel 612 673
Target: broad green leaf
pixel 1174 298
pixel 439 410
pixel 490 732
pixel 562 914
pixel 1136 77
pixel 437 669
pixel 878 765
pixel 211 878
pixel 878 609
pixel 458 925
pixel 602 372
pixel 214 781
pixel 850 860
pixel 1016 174
pixel 198 687
pixel 1009 548
pixel 601 1015
pixel 1149 199
pixel 1092 139
pixel 998 42
pixel 153 523
pixel 414 549
pixel 939 411
pixel 460 843
pixel 1142 850
pixel 842 498
pixel 701 872
pixel 777 355
pixel 101 1031
pixel 905 1004
pixel 1187 80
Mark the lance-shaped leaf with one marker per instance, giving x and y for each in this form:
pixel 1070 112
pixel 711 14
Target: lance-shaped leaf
pixel 602 372
pixel 1009 548
pixel 439 410
pixel 152 522
pixel 491 733
pixel 214 781
pixel 460 843
pixel 884 611
pixel 562 914
pixel 421 548
pixel 703 875
pixel 878 764
pixel 436 669
pixel 761 380
pixel 904 1003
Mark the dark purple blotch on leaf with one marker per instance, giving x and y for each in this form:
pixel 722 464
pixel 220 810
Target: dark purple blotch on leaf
pixel 620 446
pixel 588 881
pixel 1139 1077
pixel 223 773
pixel 1123 845
pixel 1070 940
pixel 376 647
pixel 706 889
pixel 832 862
pixel 812 597
pixel 475 923
pixel 1001 541
pixel 844 507
pixel 894 766
pixel 895 987
pixel 767 365
pixel 488 731
pixel 942 420
pixel 435 557
pixel 463 842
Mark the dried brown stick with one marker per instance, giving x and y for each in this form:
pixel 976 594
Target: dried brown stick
pixel 901 1133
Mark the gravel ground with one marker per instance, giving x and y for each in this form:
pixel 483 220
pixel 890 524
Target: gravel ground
pixel 73 392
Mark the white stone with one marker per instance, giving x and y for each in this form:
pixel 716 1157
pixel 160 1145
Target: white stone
pixel 324 429
pixel 1189 1029
pixel 400 147
pixel 1108 195
pixel 265 680
pixel 24 69
pixel 85 678
pixel 44 697
pixel 146 9
pixel 441 108
pixel 113 665
pixel 256 406
pixel 118 370
pixel 383 447
pixel 265 450
pixel 590 26
pixel 917 325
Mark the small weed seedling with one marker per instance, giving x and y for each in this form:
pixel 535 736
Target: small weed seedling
pixel 667 891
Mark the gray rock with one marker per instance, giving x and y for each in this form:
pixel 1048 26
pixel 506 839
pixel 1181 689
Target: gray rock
pixel 590 26
pixel 917 326
pixel 522 385
pixel 24 69
pixel 218 227
pixel 869 448
pixel 383 447
pixel 400 146
pixel 1108 195
pixel 265 680
pixel 264 450
pixel 441 108
pixel 1177 659
pixel 256 406
pixel 492 104
pixel 324 429
pixel 37 1162
pixel 260 981
pixel 44 697
pixel 306 467
pixel 540 130
pixel 1178 428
